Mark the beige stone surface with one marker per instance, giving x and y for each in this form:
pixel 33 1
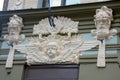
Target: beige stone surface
pixel 25 4
pixel 30 4
pixel 11 4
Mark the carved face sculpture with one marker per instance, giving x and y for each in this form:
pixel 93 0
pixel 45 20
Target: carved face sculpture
pixel 102 28
pixel 52 49
pixel 13 31
pixel 14 26
pixel 103 21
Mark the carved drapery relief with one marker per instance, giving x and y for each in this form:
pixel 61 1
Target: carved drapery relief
pixel 103 20
pixel 14 37
pixel 55 48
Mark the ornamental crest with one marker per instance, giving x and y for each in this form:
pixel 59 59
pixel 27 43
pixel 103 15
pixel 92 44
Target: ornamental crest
pixel 55 45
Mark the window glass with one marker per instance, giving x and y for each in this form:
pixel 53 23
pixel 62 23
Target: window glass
pixel 1 4
pixel 55 3
pixel 70 2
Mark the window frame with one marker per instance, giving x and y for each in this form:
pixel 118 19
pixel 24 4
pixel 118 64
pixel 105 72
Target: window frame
pixel 30 71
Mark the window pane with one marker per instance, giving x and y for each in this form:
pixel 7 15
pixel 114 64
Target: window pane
pixel 55 3
pixel 70 2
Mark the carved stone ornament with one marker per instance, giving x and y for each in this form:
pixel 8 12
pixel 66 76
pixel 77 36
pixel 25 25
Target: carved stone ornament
pixel 62 25
pixel 55 48
pixel 18 4
pixel 13 38
pixel 103 20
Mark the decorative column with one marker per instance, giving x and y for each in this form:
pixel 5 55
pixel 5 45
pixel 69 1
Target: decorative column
pixel 102 32
pixel 13 38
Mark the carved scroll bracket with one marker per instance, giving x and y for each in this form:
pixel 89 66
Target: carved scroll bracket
pixel 102 32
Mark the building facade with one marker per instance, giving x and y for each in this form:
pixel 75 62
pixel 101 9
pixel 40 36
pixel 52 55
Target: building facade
pixel 84 67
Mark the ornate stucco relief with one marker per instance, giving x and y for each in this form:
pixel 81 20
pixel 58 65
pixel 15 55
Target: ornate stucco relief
pixel 63 25
pixel 16 4
pixel 55 48
pixel 14 37
pixel 103 20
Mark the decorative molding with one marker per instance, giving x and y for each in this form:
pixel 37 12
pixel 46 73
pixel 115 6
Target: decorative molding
pixel 55 48
pixel 103 20
pixel 13 38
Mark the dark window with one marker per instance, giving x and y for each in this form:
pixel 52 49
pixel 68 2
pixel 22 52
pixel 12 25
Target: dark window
pixel 52 72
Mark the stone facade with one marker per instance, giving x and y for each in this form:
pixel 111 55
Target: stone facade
pixel 31 4
pixel 83 14
pixel 22 4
